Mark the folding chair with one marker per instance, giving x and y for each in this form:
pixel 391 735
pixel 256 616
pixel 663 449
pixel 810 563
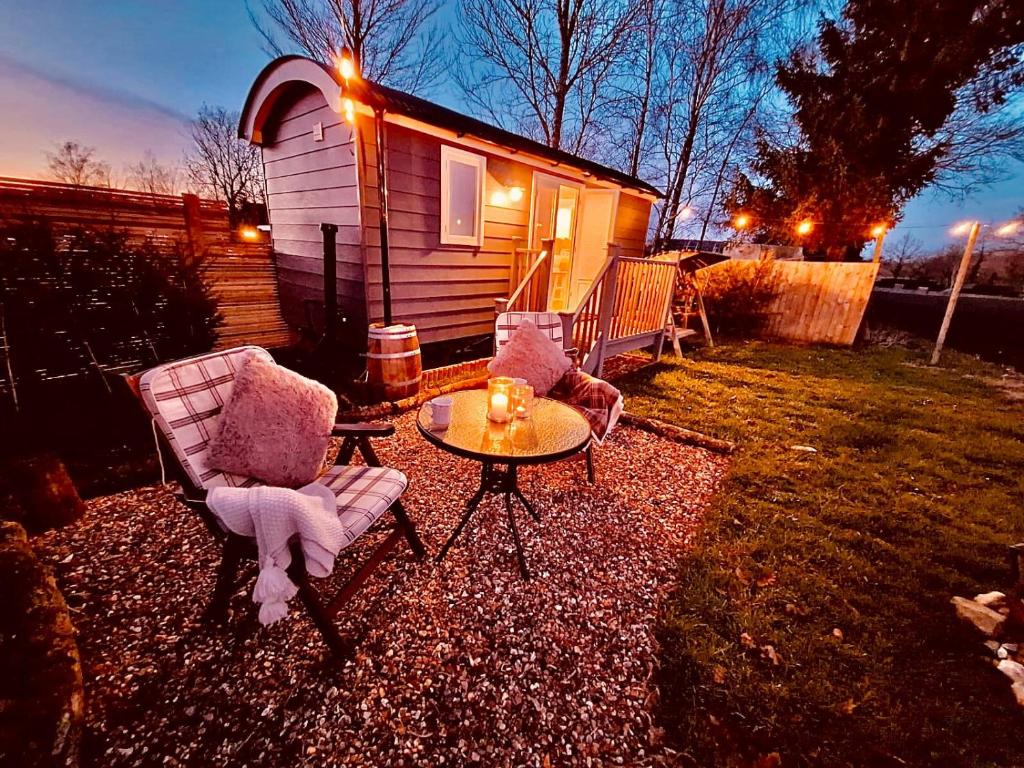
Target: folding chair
pixel 550 324
pixel 184 400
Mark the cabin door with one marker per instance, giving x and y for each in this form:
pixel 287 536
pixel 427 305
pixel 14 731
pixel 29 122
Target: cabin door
pixel 596 230
pixel 556 207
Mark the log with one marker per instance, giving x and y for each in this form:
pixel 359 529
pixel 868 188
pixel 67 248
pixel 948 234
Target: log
pixel 679 434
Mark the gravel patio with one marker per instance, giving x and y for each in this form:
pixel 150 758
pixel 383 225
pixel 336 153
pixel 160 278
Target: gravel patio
pixel 457 663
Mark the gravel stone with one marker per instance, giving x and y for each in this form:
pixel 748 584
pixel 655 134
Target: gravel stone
pixel 456 663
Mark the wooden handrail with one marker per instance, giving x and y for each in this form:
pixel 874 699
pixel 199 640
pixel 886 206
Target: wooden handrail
pixel 528 277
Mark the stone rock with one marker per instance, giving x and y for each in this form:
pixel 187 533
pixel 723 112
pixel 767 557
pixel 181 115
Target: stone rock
pixel 1012 669
pixel 993 600
pixel 989 622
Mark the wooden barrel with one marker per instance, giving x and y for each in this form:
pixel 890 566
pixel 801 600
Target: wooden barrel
pixel 393 360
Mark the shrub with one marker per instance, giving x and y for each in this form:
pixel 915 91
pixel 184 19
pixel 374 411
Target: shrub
pixel 737 296
pixel 93 298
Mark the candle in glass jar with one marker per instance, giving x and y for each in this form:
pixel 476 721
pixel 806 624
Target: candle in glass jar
pixel 499 406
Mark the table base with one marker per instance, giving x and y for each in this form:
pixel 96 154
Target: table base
pixel 497 480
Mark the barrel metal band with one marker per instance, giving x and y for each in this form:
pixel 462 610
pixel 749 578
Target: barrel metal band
pixel 393 355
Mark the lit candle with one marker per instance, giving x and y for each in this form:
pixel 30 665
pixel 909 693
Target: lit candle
pixel 499 406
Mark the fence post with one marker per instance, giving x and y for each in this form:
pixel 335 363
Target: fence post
pixel 193 224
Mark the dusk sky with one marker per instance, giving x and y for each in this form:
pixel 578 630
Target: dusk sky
pixel 125 76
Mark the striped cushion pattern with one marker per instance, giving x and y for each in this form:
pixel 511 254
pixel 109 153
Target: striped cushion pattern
pixel 185 399
pixel 363 494
pixel 548 323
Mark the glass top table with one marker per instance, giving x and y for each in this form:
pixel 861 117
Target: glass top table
pixel 554 431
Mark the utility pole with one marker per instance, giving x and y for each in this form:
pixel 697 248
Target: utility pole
pixel 954 294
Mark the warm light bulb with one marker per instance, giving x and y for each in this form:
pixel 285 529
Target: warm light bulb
pixel 1008 228
pixel 804 227
pixel 962 228
pixel 742 221
pixel 515 194
pixel 249 233
pixel 878 230
pixel 346 67
pixel 499 198
pixel 350 110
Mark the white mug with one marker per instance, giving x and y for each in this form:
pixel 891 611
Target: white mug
pixel 440 412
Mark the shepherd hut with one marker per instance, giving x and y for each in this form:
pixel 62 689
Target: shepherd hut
pixel 437 214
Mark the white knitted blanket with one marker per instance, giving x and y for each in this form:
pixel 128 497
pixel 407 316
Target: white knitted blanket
pixel 273 516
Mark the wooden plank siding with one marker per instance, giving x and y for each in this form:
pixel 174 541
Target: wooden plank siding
pixel 310 182
pixel 447 291
pixel 631 220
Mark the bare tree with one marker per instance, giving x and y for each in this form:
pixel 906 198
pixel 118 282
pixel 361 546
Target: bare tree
pixel 905 251
pixel 149 175
pixel 74 163
pixel 717 60
pixel 543 67
pixel 393 40
pixel 222 165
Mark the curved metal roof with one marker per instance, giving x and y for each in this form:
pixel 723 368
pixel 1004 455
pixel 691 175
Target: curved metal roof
pixel 380 96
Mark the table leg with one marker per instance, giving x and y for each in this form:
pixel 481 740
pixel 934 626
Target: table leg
pixel 515 536
pixel 470 509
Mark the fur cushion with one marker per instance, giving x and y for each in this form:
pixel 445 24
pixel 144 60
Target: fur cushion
pixel 275 427
pixel 531 355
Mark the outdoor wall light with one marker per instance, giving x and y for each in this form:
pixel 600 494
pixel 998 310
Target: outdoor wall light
pixel 346 65
pixel 503 197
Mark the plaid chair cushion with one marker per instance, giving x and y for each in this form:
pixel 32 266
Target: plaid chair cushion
pixel 363 494
pixel 185 399
pixel 548 323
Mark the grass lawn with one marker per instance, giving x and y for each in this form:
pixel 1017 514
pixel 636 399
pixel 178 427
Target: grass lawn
pixel 814 617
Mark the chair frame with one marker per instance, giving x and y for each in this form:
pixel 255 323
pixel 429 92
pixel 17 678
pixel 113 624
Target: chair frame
pixel 236 550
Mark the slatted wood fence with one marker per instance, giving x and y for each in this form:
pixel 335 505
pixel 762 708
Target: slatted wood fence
pixel 814 302
pixel 242 275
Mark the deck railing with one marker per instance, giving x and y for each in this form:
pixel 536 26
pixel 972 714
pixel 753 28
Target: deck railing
pixel 529 277
pixel 625 307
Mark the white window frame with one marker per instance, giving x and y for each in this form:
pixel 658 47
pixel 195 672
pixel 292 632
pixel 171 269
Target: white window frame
pixel 468 158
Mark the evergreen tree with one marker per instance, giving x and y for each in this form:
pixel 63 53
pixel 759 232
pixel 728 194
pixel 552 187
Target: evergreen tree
pixel 899 94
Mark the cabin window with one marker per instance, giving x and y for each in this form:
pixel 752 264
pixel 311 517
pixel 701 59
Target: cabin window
pixel 462 196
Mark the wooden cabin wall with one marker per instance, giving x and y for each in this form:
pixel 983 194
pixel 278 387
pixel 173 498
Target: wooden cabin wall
pixel 447 291
pixel 310 182
pixel 631 222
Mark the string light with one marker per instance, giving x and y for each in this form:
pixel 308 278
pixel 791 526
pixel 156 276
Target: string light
pixel 804 227
pixel 350 110
pixel 742 221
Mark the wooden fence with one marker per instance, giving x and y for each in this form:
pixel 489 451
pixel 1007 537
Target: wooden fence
pixel 814 302
pixel 242 275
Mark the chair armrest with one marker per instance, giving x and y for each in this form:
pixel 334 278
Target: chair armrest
pixel 363 429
